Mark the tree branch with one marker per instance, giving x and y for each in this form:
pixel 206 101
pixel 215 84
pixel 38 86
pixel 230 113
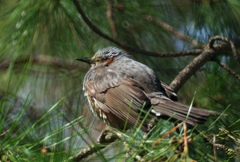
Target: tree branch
pixel 232 45
pixel 191 69
pixel 228 69
pixel 208 54
pixel 85 153
pixel 173 31
pixel 46 60
pixel 109 14
pixel 106 137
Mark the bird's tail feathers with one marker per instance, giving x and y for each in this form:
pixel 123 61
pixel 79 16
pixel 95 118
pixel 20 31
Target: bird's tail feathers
pixel 178 111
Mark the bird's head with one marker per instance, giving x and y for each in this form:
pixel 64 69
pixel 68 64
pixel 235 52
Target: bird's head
pixel 105 56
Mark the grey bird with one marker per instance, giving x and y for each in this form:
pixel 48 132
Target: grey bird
pixel 125 93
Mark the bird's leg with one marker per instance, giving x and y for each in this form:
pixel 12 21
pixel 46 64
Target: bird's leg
pixel 152 123
pixel 106 136
pixel 109 135
pixel 150 127
pixel 84 153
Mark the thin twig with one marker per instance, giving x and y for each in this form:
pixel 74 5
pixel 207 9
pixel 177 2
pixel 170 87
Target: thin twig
pixel 86 152
pixel 228 69
pixel 232 45
pixel 173 31
pixel 46 60
pixel 109 14
pixel 4 133
pixel 106 137
pixel 218 146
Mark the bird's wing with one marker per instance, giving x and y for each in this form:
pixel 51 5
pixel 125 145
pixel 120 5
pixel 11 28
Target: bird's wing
pixel 118 97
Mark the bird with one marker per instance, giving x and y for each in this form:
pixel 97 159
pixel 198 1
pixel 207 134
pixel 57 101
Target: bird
pixel 124 93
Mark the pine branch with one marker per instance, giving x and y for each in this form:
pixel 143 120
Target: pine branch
pixel 173 31
pixel 109 14
pixel 232 45
pixel 228 69
pixel 46 60
pixel 106 137
pixel 208 54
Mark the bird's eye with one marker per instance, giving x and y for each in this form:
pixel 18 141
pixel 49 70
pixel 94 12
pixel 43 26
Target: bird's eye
pixel 104 58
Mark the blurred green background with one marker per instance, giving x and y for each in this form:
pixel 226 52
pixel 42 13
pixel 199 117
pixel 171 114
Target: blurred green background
pixel 42 105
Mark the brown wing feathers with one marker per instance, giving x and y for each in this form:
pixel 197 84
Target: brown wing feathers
pixel 125 102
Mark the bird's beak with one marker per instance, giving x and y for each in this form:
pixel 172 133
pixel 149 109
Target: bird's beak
pixel 85 59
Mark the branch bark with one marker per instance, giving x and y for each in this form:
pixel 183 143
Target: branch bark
pixel 173 31
pixel 208 54
pixel 107 137
pixel 228 69
pixel 46 60
pixel 191 69
pixel 109 14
